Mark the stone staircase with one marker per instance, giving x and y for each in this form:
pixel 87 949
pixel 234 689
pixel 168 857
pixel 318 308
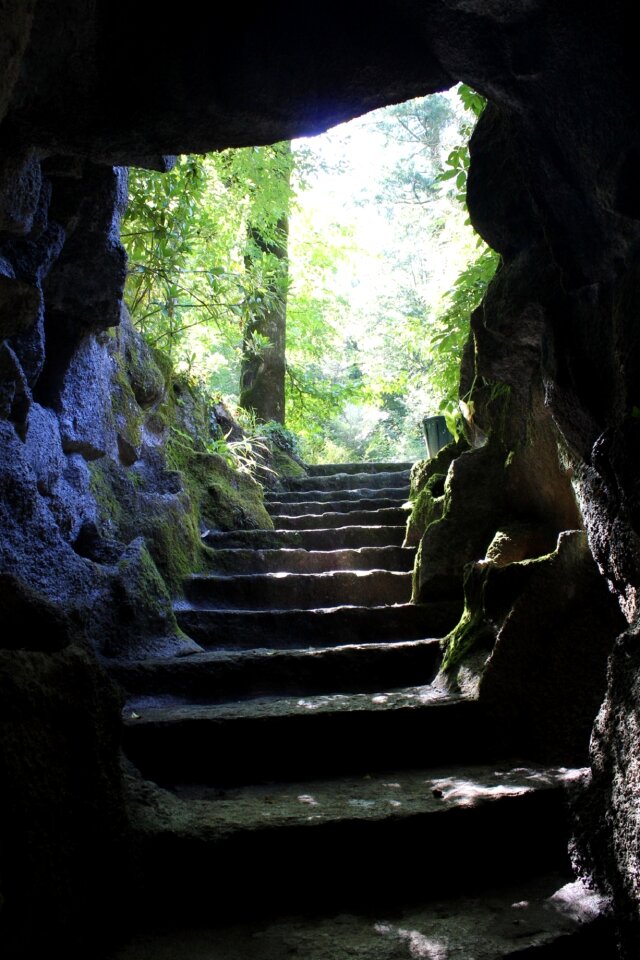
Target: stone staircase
pixel 316 790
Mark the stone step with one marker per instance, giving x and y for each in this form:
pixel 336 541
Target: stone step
pixel 389 517
pixel 327 469
pixel 328 496
pixel 350 537
pixel 334 506
pixel 284 629
pixel 498 916
pixel 266 591
pixel 354 842
pixel 286 739
pixel 215 676
pixel 241 560
pixel 350 481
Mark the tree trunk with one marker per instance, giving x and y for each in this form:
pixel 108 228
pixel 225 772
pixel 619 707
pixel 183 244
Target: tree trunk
pixel 262 369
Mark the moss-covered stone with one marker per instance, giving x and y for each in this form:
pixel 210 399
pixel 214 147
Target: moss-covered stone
pixel 166 485
pixel 425 510
pixel 226 499
pixel 556 624
pixel 106 485
pixel 284 465
pixel 492 586
pixel 427 491
pixel 146 622
pixel 473 630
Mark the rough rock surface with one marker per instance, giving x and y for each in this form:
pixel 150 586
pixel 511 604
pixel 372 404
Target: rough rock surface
pixel 555 623
pixel 607 815
pixel 553 368
pixel 491 927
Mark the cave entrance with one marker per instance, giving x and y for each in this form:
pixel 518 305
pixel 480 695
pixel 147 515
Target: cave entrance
pixel 357 240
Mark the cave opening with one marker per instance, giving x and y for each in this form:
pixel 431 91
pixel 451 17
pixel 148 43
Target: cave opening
pixel 376 274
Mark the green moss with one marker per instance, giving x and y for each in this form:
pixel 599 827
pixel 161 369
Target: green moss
pixel 145 600
pixel 225 498
pixel 425 511
pixel 103 485
pixel 459 641
pixel 173 539
pixel 209 493
pixel 473 629
pixel 172 533
pixel 127 414
pixel 284 465
pixel 144 584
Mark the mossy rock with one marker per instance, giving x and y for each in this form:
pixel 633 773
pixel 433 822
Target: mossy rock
pixel 146 622
pixel 425 510
pixel 169 523
pixel 284 465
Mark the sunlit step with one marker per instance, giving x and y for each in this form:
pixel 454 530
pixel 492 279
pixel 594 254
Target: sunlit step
pixel 328 469
pixel 393 516
pixel 345 537
pixel 243 560
pixel 264 591
pixel 329 496
pixel 349 481
pixel 334 506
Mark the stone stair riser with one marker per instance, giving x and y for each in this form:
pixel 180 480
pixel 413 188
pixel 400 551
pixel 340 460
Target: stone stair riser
pixel 349 669
pixel 327 469
pixel 347 481
pixel 284 629
pixel 352 537
pixel 329 496
pixel 324 521
pixel 308 744
pixel 353 865
pixel 336 506
pixel 311 561
pixel 300 591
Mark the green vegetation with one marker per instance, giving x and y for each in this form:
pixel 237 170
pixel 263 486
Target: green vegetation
pixel 375 289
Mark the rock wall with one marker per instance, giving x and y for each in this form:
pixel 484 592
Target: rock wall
pixel 550 376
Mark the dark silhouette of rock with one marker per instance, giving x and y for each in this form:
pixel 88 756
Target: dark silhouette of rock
pixel 551 374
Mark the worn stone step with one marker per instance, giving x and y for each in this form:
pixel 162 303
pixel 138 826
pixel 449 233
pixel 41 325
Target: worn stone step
pixel 265 591
pixel 343 507
pixel 328 469
pixel 218 676
pixel 391 516
pixel 282 629
pixel 348 537
pixel 284 739
pixel 497 916
pixel 328 496
pixel 310 561
pixel 354 842
pixel 350 481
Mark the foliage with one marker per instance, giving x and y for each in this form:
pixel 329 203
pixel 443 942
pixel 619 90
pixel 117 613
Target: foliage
pixel 401 354
pixel 189 286
pixel 276 433
pixel 197 273
pixel 421 126
pixel 246 454
pixel 450 330
pixel 361 371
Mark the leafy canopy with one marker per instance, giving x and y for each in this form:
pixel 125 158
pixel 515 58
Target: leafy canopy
pixel 367 357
